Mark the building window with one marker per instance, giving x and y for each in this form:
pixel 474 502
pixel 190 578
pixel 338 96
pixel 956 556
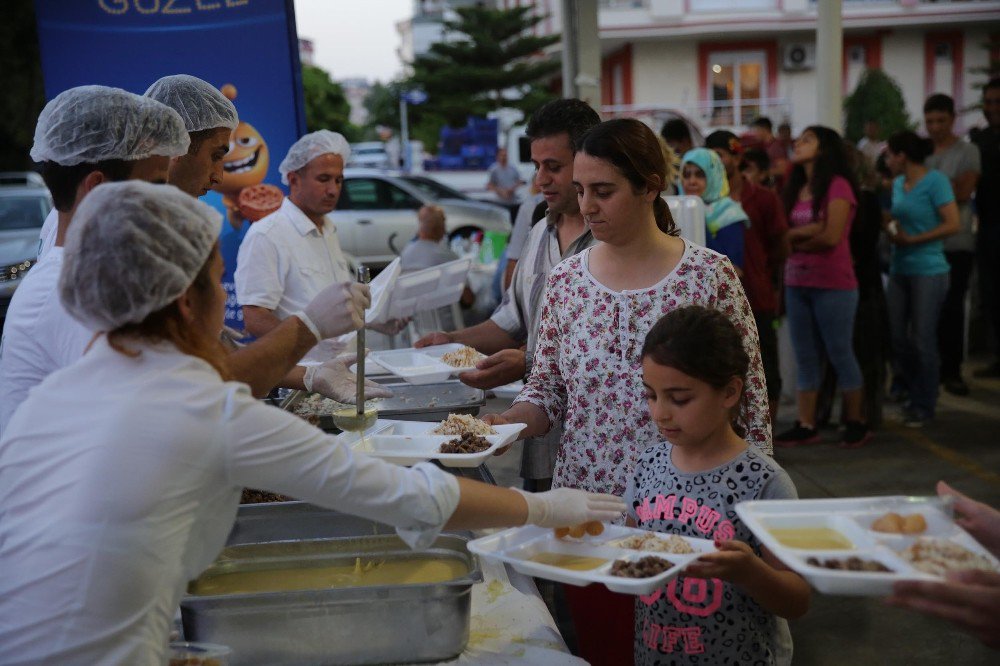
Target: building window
pixel 739 82
pixel 943 64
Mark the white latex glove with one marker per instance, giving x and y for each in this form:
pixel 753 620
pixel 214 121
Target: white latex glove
pixel 570 506
pixel 338 309
pixel 333 380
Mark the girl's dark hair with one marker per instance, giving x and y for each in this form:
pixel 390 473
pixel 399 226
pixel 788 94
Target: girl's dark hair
pixel 700 342
pixel 915 148
pixel 633 149
pixel 831 160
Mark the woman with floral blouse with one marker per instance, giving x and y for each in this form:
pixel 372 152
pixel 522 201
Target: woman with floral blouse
pixel 598 307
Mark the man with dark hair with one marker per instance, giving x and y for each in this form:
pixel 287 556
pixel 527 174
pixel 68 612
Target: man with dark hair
pixel 84 137
pixel 209 117
pixel 959 160
pixel 763 129
pixel 677 134
pixel 755 165
pixel 764 250
pixel 988 208
pixel 510 334
pixel 871 145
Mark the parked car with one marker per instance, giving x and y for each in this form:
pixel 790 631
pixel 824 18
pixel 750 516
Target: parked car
pixel 370 155
pixel 24 203
pixel 377 214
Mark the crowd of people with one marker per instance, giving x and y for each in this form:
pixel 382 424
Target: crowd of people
pixel 650 362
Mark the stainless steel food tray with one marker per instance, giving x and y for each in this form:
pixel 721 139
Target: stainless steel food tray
pixel 363 625
pixel 429 402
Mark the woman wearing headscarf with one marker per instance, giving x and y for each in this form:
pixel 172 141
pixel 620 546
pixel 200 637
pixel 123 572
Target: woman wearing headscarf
pixel 703 175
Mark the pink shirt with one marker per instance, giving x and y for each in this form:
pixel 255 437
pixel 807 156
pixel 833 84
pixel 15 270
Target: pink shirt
pixel 828 269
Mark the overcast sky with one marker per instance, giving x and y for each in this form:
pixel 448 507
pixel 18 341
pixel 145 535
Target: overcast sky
pixel 354 38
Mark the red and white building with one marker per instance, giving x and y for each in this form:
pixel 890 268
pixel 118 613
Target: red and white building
pixel 724 62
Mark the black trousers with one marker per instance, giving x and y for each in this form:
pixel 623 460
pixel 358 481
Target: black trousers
pixel 951 325
pixel 988 251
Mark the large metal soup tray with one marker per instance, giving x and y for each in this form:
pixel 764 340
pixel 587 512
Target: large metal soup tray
pixel 428 402
pixel 360 625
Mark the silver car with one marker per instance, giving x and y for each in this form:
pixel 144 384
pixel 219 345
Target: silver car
pixel 376 215
pixel 24 203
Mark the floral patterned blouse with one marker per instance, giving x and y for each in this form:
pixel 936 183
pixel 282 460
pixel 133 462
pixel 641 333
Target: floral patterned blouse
pixel 587 371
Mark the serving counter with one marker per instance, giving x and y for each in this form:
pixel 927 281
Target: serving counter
pixel 508 621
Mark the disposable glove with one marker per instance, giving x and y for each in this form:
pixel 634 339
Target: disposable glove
pixel 570 506
pixel 333 380
pixel 338 309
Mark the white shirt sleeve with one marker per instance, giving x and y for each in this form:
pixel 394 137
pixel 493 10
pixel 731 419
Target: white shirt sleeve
pixel 277 451
pixel 259 276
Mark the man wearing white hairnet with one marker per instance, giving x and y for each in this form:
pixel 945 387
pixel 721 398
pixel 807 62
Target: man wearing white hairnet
pixel 84 137
pixel 209 118
pixel 291 254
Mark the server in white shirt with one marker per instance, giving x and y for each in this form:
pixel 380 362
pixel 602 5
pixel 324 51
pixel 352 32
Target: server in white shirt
pixel 209 118
pixel 84 137
pixel 291 254
pixel 114 500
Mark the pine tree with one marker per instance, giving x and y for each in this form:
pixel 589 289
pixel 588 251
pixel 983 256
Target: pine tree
pixel 876 97
pixel 489 60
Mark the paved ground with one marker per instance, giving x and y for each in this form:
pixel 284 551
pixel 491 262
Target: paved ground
pixel 962 446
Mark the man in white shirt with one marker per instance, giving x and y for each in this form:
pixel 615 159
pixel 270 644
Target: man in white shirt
pixel 85 136
pixel 293 253
pixel 510 334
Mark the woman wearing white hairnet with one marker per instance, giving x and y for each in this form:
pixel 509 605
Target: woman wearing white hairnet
pixel 120 475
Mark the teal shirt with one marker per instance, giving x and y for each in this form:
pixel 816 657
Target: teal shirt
pixel 916 212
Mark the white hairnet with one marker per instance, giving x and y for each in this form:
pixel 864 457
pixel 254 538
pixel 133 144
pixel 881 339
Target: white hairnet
pixel 311 146
pixel 96 123
pixel 199 103
pixel 133 248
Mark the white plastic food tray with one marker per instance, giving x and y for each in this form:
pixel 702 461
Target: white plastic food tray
pixel 419 366
pixel 517 545
pixel 852 518
pixel 410 442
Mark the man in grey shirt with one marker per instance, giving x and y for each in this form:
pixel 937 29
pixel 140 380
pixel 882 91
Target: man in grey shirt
pixel 426 250
pixel 959 160
pixel 509 335
pixel 503 177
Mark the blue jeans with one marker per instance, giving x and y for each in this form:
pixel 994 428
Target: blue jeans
pixel 914 308
pixel 821 323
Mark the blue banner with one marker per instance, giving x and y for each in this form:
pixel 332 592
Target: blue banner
pixel 248 48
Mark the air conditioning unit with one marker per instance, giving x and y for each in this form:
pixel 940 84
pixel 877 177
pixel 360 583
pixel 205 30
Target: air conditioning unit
pixel 798 57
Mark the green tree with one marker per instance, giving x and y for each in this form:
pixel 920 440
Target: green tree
pixel 24 95
pixel 489 60
pixel 876 97
pixel 326 104
pixel 382 104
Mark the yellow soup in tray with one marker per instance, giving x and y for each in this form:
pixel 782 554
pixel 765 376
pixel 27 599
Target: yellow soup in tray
pixel 360 574
pixel 564 561
pixel 811 538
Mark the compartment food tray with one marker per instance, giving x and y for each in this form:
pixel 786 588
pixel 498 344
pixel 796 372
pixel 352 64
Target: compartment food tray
pixel 410 442
pixel 852 518
pixel 516 545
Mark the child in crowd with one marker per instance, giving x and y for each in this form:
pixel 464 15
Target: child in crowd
pixel 729 605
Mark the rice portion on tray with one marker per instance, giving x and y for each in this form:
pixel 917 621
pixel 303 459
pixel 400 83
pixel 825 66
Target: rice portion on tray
pixel 460 424
pixel 666 543
pixel 465 357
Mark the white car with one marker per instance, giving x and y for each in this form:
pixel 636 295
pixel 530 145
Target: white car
pixel 369 154
pixel 24 203
pixel 376 215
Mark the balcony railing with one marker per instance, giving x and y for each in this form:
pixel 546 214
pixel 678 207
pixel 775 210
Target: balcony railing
pixel 708 115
